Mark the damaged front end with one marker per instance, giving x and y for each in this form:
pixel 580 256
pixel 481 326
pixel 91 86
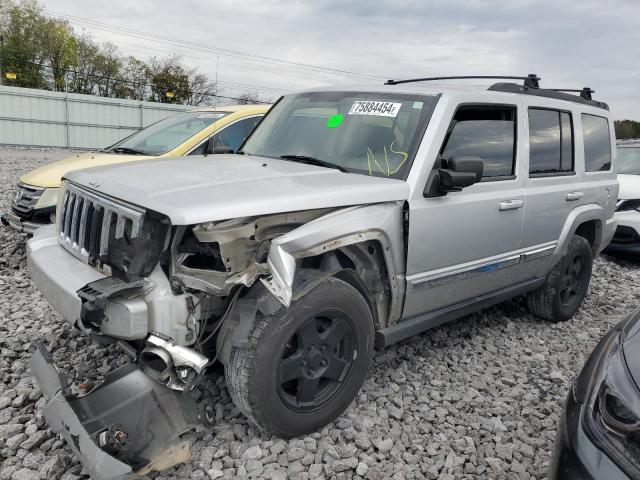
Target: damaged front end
pixel 128 426
pixel 121 274
pixel 179 298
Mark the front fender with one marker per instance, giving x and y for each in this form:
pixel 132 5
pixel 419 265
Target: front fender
pixel 348 226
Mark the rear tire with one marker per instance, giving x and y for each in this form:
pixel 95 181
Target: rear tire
pixel 567 283
pixel 304 365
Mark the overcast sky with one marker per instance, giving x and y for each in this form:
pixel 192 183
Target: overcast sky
pixel 593 43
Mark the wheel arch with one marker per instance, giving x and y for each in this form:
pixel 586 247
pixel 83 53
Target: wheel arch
pixel 370 237
pixel 586 221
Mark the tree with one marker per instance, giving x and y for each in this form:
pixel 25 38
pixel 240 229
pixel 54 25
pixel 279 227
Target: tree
pixel 108 69
pixel 627 129
pixel 169 80
pixel 135 80
pixel 46 53
pixel 84 76
pixel 23 49
pixel 60 51
pixel 203 90
pixel 249 98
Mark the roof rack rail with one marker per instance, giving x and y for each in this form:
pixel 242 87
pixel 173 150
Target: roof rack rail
pixel 558 94
pixel 530 81
pixel 584 92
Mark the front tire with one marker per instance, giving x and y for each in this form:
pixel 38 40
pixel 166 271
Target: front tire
pixel 303 365
pixel 567 283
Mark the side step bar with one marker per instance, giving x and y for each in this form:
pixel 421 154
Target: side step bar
pixel 420 323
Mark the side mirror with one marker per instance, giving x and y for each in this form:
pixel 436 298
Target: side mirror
pixel 456 174
pixel 467 165
pixel 220 149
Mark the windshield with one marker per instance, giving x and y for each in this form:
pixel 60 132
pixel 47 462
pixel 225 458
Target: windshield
pixel 166 134
pixel 368 133
pixel 629 160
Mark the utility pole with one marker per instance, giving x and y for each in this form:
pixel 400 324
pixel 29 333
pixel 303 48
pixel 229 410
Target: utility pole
pixel 215 99
pixel 1 49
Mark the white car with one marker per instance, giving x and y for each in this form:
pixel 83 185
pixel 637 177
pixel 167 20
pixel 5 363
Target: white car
pixel 627 237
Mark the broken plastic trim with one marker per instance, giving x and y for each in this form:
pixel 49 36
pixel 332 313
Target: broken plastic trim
pixel 125 428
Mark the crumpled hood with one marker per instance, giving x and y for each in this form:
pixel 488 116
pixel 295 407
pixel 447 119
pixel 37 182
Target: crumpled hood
pixel 49 176
pixel 198 189
pixel 629 187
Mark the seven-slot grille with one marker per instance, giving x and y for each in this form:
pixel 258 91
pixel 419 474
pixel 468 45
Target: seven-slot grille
pixel 25 199
pixel 86 222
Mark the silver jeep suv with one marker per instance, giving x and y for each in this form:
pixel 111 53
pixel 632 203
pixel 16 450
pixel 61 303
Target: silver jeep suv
pixel 351 218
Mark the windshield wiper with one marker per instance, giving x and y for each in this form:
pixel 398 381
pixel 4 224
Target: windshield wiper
pixel 313 161
pixel 128 150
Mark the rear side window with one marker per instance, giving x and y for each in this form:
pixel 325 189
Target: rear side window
pixel 597 143
pixel 488 132
pixel 550 142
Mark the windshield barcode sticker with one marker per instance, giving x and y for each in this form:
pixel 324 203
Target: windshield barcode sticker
pixel 372 107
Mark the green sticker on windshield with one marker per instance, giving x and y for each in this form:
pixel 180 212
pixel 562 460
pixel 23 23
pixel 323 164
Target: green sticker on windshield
pixel 335 121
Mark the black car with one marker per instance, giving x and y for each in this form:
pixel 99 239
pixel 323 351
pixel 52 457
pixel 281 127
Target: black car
pixel 599 434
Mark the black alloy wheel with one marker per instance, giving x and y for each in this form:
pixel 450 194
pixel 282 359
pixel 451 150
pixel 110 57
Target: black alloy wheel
pixel 315 361
pixel 572 280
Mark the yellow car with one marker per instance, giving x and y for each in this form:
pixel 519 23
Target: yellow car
pixel 219 130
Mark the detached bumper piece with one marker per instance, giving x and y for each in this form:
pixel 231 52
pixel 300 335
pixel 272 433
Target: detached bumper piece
pixel 126 427
pixel 20 224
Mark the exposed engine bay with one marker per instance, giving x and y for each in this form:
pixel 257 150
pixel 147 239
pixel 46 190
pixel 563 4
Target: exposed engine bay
pixel 186 296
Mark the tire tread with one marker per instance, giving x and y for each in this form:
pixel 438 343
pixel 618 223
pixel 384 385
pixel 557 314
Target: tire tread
pixel 243 362
pixel 541 302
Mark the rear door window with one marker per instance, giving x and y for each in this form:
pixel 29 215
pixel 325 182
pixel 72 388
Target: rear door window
pixel 597 143
pixel 550 142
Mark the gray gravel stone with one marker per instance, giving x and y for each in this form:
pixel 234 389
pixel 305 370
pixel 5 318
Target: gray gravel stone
pixel 344 464
pixel 54 467
pixel 7 472
pixel 34 440
pixel 9 430
pixel 215 473
pixel 385 445
pixel 25 474
pixel 15 441
pixel 478 398
pixel 253 453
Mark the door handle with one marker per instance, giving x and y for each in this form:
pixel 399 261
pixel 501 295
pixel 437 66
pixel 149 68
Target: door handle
pixel 571 196
pixel 511 205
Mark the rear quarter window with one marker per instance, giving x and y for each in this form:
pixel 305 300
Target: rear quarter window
pixel 597 143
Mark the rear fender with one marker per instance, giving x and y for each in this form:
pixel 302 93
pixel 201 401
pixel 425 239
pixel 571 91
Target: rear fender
pixel 580 215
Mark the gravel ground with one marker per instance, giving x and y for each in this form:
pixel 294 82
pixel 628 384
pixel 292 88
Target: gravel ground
pixel 477 398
